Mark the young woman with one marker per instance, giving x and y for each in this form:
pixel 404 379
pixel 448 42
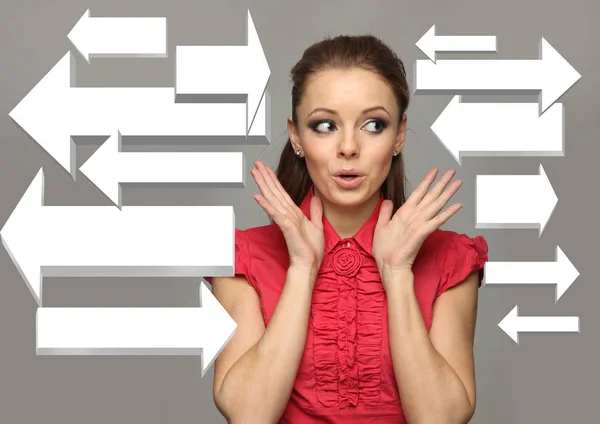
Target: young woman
pixel 353 306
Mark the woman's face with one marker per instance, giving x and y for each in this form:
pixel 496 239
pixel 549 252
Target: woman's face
pixel 358 131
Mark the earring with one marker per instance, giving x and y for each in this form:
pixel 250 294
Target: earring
pixel 395 153
pixel 298 152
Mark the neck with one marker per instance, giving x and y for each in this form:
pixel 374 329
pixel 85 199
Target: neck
pixel 346 221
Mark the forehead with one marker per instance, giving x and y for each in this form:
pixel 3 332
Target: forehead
pixel 347 90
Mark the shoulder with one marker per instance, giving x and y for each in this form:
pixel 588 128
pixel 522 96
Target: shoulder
pixel 261 237
pixel 444 243
pixel 456 255
pixel 260 232
pixel 265 243
pixel 256 246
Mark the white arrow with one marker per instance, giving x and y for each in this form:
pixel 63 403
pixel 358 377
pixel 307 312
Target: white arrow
pixel 560 273
pixel 120 36
pixel 109 166
pixel 474 129
pixel 140 241
pixel 430 43
pixel 551 75
pixel 514 201
pixel 513 324
pixel 201 331
pixel 238 73
pixel 53 112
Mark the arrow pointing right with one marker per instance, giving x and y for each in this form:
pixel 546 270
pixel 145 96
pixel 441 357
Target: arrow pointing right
pixel 236 73
pixel 560 273
pixel 551 75
pixel 201 331
pixel 514 201
pixel 513 324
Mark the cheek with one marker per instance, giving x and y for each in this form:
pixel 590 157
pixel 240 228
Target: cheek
pixel 318 154
pixel 380 164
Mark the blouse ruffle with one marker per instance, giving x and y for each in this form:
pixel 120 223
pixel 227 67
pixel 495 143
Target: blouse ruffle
pixel 347 328
pixel 463 255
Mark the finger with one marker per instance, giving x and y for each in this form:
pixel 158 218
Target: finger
pixel 268 208
pixel 270 179
pixel 282 220
pixel 266 191
pixel 316 212
pixel 436 206
pixel 284 194
pixel 385 213
pixel 264 170
pixel 441 219
pixel 435 192
pixel 421 190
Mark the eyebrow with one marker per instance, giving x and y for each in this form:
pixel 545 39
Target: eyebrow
pixel 333 112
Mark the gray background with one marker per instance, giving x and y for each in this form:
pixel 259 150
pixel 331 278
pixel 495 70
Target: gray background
pixel 548 378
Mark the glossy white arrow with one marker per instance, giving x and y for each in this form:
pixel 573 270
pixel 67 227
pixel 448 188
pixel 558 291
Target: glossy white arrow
pixel 475 129
pixel 551 75
pixel 430 43
pixel 54 111
pixel 235 73
pixel 108 167
pixel 514 201
pixel 201 331
pixel 560 273
pixel 513 324
pixel 139 241
pixel 120 36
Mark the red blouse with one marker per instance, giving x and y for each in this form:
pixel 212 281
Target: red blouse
pixel 346 373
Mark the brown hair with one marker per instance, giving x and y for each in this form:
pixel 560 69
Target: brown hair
pixel 345 52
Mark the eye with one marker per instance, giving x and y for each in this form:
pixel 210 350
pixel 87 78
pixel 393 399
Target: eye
pixel 377 122
pixel 323 126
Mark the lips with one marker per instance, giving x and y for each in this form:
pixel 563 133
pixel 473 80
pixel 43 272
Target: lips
pixel 349 179
pixel 349 174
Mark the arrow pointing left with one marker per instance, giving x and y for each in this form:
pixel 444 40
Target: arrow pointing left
pixel 139 241
pixel 201 331
pixel 109 167
pixel 120 37
pixel 430 43
pixel 513 324
pixel 54 112
pixel 472 129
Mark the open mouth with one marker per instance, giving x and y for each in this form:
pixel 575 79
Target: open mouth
pixel 350 180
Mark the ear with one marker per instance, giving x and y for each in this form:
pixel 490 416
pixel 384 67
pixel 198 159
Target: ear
pixel 293 133
pixel 401 136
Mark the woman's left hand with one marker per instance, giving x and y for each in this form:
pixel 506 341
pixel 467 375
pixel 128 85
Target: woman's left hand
pixel 397 241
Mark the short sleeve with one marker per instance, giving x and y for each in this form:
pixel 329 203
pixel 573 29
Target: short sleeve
pixel 462 255
pixel 242 256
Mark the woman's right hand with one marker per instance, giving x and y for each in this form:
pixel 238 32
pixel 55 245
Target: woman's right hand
pixel 304 237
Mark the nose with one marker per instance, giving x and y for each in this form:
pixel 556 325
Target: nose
pixel 348 147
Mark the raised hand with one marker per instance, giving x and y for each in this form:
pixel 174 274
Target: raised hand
pixel 397 240
pixel 304 237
